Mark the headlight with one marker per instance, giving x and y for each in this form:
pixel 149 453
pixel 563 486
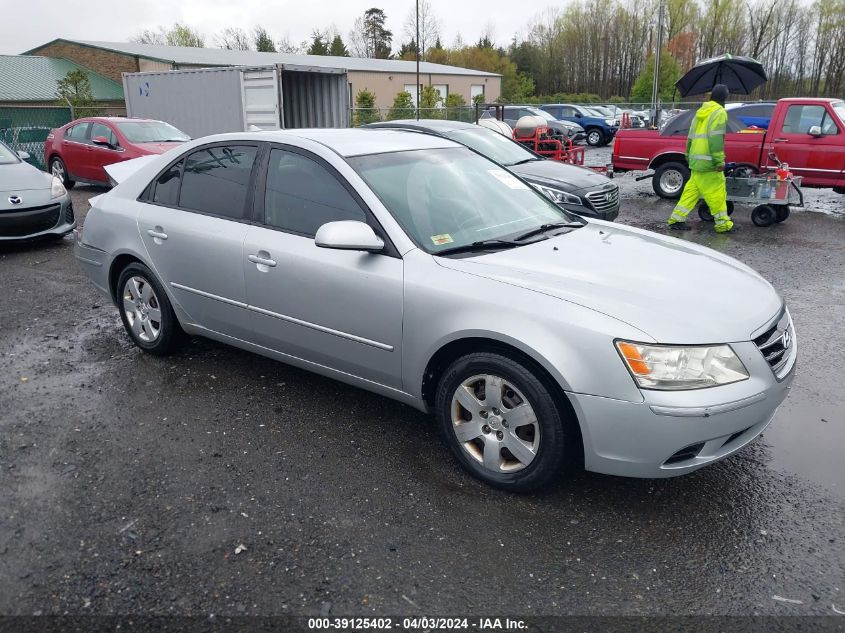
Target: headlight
pixel 672 368
pixel 57 189
pixel 557 196
pixel 610 121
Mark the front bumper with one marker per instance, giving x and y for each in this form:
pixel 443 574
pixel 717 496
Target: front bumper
pixel 51 220
pixel 674 433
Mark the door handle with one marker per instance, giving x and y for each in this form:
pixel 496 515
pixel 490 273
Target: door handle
pixel 262 261
pixel 157 233
pixel 781 140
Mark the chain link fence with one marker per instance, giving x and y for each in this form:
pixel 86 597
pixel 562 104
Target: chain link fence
pixel 25 128
pixel 362 116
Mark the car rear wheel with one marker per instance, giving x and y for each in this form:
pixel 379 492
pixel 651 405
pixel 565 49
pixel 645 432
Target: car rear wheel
pixel 146 311
pixel 501 422
pixel 595 137
pixel 58 169
pixel 669 180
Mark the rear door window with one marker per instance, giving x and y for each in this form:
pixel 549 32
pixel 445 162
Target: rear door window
pixel 166 189
pixel 78 132
pixel 217 180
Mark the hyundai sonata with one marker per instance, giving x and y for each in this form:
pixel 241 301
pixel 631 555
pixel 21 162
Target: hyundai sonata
pixel 411 266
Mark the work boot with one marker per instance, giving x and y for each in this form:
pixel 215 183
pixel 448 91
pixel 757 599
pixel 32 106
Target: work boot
pixel 679 226
pixel 733 229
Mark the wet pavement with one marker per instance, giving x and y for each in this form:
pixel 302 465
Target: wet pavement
pixel 215 481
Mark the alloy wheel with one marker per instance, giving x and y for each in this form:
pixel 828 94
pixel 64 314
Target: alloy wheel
pixel 495 424
pixel 142 309
pixel 58 170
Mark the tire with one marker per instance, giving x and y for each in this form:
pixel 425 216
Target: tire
pixel 763 215
pixel 781 213
pixel 704 211
pixel 669 180
pixel 140 299
pixel 595 137
pixel 539 443
pixel 58 169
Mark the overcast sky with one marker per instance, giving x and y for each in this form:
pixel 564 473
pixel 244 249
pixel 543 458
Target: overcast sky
pixel 39 21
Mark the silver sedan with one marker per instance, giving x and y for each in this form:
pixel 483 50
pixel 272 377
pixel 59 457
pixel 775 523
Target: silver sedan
pixel 33 204
pixel 411 266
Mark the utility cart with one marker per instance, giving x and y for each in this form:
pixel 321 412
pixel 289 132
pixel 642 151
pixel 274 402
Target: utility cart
pixel 771 193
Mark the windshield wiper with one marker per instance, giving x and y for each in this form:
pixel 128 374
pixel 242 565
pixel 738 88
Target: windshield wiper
pixel 548 227
pixel 524 160
pixel 481 245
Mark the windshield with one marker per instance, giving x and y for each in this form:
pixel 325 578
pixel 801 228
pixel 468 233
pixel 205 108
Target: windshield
pixel 448 198
pixel 602 110
pixel 839 108
pixel 493 145
pixel 150 132
pixel 7 156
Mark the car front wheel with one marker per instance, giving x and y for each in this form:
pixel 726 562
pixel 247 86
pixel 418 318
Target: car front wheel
pixel 595 137
pixel 501 422
pixel 146 311
pixel 58 169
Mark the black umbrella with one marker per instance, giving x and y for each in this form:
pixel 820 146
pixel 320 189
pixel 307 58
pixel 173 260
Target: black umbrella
pixel 740 74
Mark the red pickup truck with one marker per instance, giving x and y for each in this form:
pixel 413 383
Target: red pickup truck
pixel 808 134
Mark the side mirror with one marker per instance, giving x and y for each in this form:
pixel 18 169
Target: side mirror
pixel 578 115
pixel 23 155
pixel 102 141
pixel 348 235
pixel 815 130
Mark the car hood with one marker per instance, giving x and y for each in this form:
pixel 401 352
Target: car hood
pixel 23 177
pixel 671 290
pixel 556 173
pixel 156 148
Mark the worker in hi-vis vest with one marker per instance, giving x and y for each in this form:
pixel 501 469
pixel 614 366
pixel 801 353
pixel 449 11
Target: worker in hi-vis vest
pixel 706 160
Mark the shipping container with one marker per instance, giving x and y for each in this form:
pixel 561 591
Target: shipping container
pixel 206 101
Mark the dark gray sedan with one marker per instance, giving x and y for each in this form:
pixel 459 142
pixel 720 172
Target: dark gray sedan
pixel 33 204
pixel 576 189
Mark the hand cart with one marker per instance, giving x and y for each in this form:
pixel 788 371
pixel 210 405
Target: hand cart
pixel 770 195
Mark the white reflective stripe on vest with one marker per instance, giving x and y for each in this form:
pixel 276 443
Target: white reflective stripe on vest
pixel 701 156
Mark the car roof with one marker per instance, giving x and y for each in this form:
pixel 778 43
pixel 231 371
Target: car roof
pixel 112 119
pixel 358 141
pixel 432 125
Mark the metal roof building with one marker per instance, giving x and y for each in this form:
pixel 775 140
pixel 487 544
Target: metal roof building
pixel 384 77
pixel 29 80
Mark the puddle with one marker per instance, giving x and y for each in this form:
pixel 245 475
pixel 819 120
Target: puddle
pixel 808 439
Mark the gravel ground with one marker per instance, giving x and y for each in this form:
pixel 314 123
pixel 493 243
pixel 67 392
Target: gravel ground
pixel 215 481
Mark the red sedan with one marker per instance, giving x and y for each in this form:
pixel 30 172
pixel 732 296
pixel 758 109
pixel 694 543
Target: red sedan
pixel 78 151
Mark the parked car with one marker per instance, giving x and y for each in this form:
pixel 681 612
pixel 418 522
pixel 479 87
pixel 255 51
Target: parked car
pixel 636 118
pixel 576 189
pixel 29 139
pixel 753 114
pixel 33 204
pixel 411 266
pixel 559 129
pixel 78 151
pixel 600 129
pixel 808 134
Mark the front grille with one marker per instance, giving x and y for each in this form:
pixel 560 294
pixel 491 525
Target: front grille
pixel 605 199
pixel 69 213
pixel 775 343
pixel 29 221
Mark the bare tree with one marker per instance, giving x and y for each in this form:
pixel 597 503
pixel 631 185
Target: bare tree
pixel 429 26
pixel 177 35
pixel 234 39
